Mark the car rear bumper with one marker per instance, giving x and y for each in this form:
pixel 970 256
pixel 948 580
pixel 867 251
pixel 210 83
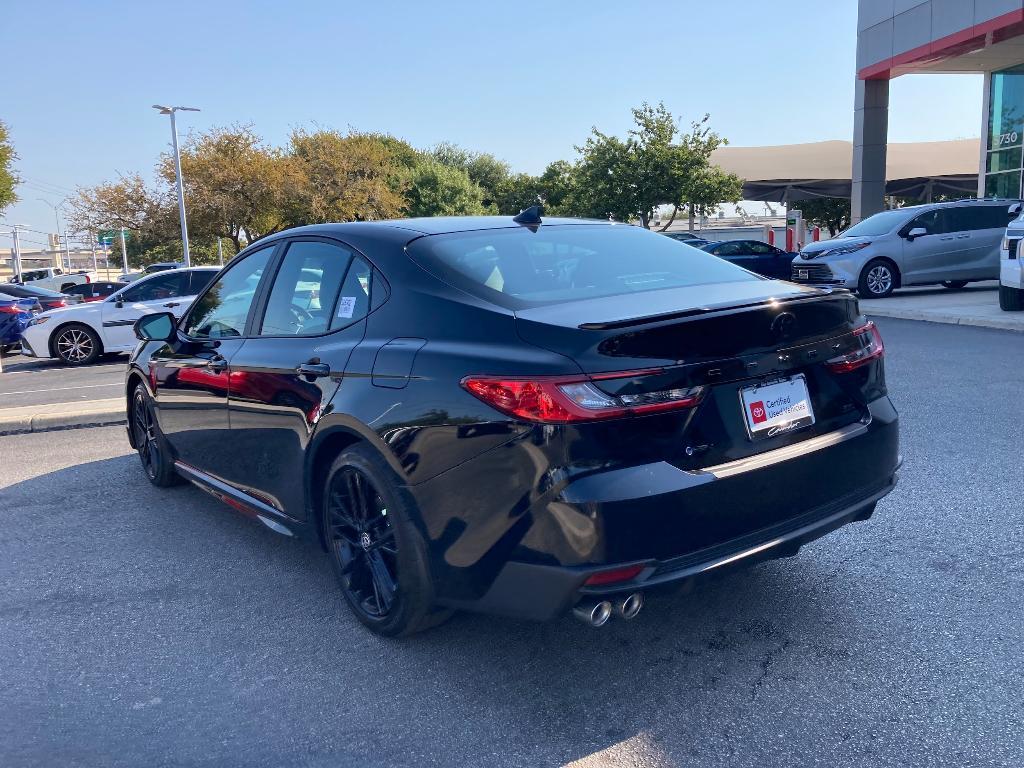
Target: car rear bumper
pixel 541 592
pixel 677 524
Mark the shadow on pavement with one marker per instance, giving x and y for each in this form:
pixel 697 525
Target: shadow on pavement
pixel 146 625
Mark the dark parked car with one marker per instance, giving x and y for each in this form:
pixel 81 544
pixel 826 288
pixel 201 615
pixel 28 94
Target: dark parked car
pixel 47 299
pixel 515 416
pixel 687 237
pixel 89 292
pixel 754 255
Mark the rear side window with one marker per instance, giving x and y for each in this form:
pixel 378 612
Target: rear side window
pixel 306 289
pixel 519 268
pixel 199 280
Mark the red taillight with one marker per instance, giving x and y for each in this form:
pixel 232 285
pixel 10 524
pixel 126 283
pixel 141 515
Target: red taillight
pixel 872 349
pixel 60 303
pixel 11 309
pixel 567 399
pixel 614 576
pixel 88 279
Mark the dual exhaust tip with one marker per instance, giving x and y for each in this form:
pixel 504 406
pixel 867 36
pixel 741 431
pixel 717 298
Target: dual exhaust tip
pixel 597 613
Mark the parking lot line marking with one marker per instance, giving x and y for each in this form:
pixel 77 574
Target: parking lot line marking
pixel 61 389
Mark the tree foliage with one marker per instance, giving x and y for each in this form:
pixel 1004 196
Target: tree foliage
pixel 8 179
pixel 241 189
pixel 831 213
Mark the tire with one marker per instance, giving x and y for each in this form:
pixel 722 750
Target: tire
pixel 377 553
pixel 1011 299
pixel 152 447
pixel 76 344
pixel 954 285
pixel 878 279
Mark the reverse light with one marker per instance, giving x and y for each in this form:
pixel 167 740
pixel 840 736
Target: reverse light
pixel 872 348
pixel 613 576
pixel 568 399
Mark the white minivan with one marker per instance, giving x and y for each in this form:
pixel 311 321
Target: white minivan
pixel 1011 275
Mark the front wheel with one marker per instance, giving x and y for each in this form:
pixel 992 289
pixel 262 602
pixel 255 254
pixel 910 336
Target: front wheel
pixel 77 345
pixel 1011 299
pixel 376 551
pixel 154 454
pixel 954 285
pixel 877 280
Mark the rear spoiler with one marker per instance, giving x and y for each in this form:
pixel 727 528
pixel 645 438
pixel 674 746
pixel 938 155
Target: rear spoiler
pixel 611 325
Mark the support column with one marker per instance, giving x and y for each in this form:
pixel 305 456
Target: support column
pixel 870 139
pixel 986 131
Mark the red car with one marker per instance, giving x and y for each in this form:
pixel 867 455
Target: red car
pixel 94 291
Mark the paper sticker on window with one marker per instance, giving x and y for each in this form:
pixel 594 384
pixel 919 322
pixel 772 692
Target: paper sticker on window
pixel 346 306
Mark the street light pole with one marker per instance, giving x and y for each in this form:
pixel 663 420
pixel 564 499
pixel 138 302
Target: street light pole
pixel 16 253
pixel 124 253
pixel 177 172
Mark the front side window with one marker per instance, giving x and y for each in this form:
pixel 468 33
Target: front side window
pixel 223 310
pixel 166 286
pixel 306 289
pixel 519 268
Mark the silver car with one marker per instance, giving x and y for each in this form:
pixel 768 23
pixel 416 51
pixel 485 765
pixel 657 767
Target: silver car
pixel 948 243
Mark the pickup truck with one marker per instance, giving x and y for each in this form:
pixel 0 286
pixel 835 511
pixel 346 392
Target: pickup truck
pixel 54 278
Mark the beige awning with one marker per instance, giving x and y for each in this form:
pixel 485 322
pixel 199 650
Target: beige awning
pixel 824 168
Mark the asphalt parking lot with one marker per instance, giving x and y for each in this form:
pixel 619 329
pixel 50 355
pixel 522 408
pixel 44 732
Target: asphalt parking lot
pixel 28 381
pixel 148 627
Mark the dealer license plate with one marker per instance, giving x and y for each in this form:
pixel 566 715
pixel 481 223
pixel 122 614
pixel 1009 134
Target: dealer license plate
pixel 777 408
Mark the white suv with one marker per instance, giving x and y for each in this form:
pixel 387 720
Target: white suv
pixel 1011 273
pixel 79 334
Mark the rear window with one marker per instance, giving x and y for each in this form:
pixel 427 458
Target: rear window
pixel 519 268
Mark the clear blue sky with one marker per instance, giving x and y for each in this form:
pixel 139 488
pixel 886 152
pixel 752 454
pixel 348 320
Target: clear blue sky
pixel 525 81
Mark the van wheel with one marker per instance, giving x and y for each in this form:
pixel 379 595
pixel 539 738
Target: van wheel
pixel 1011 299
pixel 877 279
pixel 376 550
pixel 954 285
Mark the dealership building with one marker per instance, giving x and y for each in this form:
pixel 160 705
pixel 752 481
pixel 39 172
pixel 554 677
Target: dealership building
pixel 898 37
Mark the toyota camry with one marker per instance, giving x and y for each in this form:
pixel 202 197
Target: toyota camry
pixel 525 416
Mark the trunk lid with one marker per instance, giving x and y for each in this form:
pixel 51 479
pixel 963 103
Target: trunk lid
pixel 722 337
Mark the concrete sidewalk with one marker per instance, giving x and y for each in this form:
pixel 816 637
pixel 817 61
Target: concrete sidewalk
pixel 977 304
pixel 42 418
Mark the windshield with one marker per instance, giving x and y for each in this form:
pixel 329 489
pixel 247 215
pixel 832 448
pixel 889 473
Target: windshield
pixel 880 224
pixel 518 268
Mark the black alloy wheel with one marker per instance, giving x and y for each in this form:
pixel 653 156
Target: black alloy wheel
pixel 150 443
pixel 364 540
pixel 377 552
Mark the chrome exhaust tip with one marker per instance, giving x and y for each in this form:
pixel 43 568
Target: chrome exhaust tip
pixel 630 607
pixel 593 612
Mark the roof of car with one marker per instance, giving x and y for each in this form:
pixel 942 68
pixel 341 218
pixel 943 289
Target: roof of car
pixel 438 225
pixel 964 201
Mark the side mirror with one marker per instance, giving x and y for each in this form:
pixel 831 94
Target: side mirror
pixel 156 327
pixel 1014 209
pixel 916 232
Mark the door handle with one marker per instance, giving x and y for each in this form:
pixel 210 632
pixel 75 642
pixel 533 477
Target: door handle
pixel 313 369
pixel 217 364
pixel 962 237
pixel 172 304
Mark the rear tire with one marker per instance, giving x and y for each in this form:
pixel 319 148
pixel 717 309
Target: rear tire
pixel 1011 299
pixel 376 550
pixel 154 452
pixel 877 279
pixel 954 285
pixel 76 344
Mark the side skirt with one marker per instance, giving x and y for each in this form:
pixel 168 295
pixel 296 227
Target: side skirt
pixel 236 499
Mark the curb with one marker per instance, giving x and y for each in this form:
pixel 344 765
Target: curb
pixel 949 319
pixel 59 416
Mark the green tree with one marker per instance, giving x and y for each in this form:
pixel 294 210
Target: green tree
pixel 8 179
pixel 484 169
pixel 344 177
pixel 831 213
pixel 696 186
pixel 437 189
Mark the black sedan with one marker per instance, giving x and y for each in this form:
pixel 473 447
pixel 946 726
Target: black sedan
pixel 97 291
pixel 47 299
pixel 754 255
pixel 519 416
pixel 687 237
